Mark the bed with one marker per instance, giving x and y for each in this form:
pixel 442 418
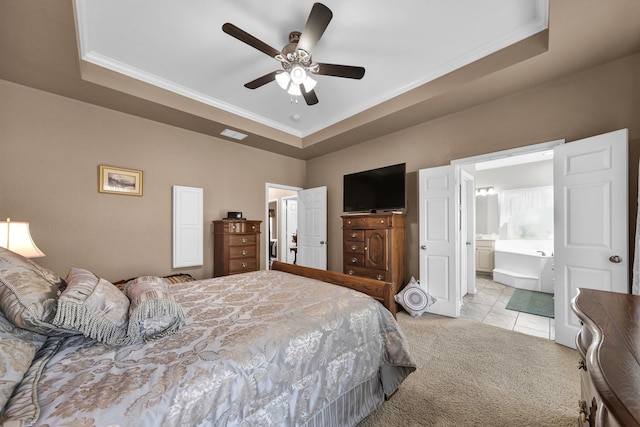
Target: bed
pixel 265 348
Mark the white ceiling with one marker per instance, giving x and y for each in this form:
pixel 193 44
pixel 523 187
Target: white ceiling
pixel 179 45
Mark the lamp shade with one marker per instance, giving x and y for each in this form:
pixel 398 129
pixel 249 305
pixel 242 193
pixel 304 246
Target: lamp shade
pixel 15 236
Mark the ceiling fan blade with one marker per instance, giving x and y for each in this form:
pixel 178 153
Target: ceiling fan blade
pixel 247 38
pixel 261 81
pixel 347 71
pixel 319 18
pixel 310 97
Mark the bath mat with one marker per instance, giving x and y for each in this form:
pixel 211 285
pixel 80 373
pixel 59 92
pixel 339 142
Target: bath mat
pixel 539 303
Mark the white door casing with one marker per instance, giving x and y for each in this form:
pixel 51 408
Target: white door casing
pixel 591 223
pixel 467 234
pixel 290 228
pixel 437 214
pixel 312 228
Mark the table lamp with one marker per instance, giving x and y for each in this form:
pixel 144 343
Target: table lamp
pixel 15 236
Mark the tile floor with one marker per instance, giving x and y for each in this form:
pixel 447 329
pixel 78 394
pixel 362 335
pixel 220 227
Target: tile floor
pixel 488 306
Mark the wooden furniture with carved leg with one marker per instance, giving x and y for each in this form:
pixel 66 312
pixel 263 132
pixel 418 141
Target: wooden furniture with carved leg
pixel 609 347
pixel 236 246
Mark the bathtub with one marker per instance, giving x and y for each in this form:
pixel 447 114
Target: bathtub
pixel 524 269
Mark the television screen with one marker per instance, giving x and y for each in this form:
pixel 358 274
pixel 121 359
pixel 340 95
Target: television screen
pixel 376 189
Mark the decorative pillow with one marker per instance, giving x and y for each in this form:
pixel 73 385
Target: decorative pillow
pixel 29 294
pixel 153 313
pixel 174 278
pixel 18 348
pixel 178 278
pixel 94 307
pixel 414 299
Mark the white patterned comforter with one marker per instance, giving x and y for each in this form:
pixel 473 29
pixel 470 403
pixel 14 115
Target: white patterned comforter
pixel 265 348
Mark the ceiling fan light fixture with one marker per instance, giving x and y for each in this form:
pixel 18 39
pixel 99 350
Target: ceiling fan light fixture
pixel 309 84
pixel 283 79
pixel 294 90
pixel 298 74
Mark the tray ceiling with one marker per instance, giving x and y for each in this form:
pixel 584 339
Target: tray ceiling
pixel 179 46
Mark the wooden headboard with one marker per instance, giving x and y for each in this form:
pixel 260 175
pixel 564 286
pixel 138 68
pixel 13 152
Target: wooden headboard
pixel 381 291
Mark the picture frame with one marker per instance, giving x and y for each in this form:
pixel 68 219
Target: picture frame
pixel 116 180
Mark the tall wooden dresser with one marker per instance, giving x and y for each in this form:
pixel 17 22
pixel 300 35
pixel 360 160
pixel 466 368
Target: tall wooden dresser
pixel 609 347
pixel 236 246
pixel 374 247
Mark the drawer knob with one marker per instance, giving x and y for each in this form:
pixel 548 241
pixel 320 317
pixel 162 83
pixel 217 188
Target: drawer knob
pixel 350 272
pixel 244 252
pixel 379 277
pixel 354 234
pixel 382 221
pixel 354 247
pixel 244 265
pixel 354 260
pixel 244 240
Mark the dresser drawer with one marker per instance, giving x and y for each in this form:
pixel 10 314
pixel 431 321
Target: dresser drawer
pixel 242 251
pixel 241 227
pixel 354 260
pixel 242 265
pixel 366 272
pixel 242 239
pixel 353 247
pixel 367 222
pixel 353 235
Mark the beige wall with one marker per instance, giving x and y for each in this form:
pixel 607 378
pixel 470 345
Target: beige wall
pixel 592 102
pixel 50 149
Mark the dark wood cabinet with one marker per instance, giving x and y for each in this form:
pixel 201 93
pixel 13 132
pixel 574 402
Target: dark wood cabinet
pixel 236 246
pixel 374 247
pixel 609 347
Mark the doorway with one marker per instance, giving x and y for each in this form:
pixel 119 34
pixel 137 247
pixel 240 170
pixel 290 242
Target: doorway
pixel 524 180
pixel 281 220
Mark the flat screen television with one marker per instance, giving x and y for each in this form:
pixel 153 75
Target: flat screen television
pixel 381 189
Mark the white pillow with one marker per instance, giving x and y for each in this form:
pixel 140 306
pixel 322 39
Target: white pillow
pixel 414 299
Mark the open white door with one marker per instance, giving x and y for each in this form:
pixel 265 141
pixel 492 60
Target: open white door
pixel 591 223
pixel 437 197
pixel 312 228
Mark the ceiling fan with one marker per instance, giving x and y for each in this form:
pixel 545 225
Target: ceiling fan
pixel 295 57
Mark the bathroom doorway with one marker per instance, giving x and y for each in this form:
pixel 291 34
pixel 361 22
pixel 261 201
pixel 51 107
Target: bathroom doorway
pixel 521 174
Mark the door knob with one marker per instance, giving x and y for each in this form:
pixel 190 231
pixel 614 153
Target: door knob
pixel 322 242
pixel 468 243
pixel 615 258
pixel 423 247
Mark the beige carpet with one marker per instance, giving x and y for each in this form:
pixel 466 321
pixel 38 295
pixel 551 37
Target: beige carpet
pixel 471 374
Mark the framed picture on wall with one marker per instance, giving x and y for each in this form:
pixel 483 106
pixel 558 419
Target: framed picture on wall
pixel 120 181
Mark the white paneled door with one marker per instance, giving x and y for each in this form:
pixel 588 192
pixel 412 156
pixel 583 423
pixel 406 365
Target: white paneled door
pixel 312 228
pixel 591 223
pixel 438 240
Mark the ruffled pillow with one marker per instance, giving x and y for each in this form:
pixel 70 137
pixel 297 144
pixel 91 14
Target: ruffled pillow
pixel 29 294
pixel 414 299
pixel 94 307
pixel 153 312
